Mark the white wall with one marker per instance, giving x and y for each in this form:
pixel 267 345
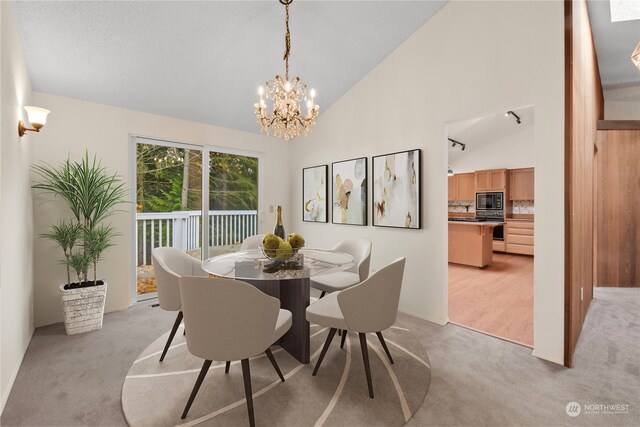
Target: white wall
pixel 470 60
pixel 512 152
pixel 74 126
pixel 16 217
pixel 622 103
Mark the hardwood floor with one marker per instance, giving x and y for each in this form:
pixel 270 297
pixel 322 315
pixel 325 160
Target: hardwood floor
pixel 497 300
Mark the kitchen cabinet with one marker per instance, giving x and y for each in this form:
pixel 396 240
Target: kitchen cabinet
pixel 491 180
pixel 522 184
pixel 519 237
pixel 453 188
pixel 466 186
pixel 462 186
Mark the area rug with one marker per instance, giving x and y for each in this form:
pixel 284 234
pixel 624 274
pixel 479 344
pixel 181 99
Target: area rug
pixel 154 393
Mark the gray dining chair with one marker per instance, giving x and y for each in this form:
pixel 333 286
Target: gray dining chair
pixel 252 242
pixel 169 264
pixel 371 306
pixel 230 320
pixel 360 249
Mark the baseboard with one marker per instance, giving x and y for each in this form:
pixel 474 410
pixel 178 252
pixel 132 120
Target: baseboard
pixel 559 361
pixel 14 374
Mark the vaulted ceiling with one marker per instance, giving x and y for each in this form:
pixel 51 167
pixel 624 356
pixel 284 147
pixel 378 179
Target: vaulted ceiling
pixel 203 61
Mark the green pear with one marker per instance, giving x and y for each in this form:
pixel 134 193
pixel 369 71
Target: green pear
pixel 296 241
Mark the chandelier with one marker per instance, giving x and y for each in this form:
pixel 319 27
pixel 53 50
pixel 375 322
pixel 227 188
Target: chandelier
pixel 286 119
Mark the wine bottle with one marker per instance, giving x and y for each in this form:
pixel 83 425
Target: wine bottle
pixel 279 228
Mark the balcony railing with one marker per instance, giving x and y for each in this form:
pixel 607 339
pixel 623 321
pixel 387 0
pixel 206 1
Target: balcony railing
pixel 183 229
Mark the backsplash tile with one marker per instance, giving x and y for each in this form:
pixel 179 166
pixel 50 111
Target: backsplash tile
pixel 519 206
pixel 523 206
pixel 461 206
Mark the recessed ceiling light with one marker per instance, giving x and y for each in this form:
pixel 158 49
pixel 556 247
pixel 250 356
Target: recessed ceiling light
pixel 624 10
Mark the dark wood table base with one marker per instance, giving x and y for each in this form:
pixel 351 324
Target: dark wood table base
pixel 294 296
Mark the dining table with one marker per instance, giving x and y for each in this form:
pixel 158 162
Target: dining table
pixel 288 281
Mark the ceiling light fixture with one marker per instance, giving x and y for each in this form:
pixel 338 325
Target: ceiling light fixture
pixel 36 116
pixel 511 113
pixel 454 143
pixel 286 120
pixel 635 56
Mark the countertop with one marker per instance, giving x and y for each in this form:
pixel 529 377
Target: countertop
pixel 481 224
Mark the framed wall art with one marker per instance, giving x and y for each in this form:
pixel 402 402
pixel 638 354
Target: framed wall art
pixel 349 187
pixel 315 202
pixel 396 189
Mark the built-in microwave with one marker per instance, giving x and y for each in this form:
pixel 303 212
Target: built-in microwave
pixel 489 201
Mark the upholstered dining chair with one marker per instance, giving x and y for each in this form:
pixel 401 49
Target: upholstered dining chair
pixel 169 264
pixel 252 242
pixel 230 320
pixel 360 249
pixel 371 306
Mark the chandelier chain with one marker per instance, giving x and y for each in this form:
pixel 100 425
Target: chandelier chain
pixel 287 41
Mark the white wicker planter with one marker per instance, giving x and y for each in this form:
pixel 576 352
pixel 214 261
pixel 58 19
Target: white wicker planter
pixel 83 308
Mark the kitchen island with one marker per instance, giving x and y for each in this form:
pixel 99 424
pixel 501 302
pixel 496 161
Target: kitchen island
pixel 471 243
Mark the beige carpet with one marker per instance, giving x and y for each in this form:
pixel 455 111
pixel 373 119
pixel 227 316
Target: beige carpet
pixel 154 394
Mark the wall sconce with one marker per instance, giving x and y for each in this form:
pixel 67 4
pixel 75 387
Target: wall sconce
pixel 635 56
pixel 37 117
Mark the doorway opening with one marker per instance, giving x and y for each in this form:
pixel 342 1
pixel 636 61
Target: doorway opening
pixel 200 199
pixel 491 207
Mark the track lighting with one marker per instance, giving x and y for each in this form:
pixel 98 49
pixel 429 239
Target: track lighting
pixel 454 143
pixel 508 113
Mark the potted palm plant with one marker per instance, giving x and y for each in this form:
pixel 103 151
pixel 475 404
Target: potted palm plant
pixel 92 195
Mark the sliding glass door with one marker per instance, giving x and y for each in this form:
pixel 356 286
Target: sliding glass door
pixel 183 202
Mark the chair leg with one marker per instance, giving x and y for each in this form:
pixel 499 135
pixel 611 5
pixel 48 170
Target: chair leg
pixel 226 367
pixel 322 294
pixel 339 332
pixel 384 345
pixel 246 374
pixel 184 331
pixel 274 363
pixel 332 332
pixel 171 335
pixel 196 387
pixel 365 357
pixel 344 336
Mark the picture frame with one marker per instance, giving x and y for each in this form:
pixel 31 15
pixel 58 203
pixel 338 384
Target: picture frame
pixel 315 194
pixel 396 199
pixel 349 188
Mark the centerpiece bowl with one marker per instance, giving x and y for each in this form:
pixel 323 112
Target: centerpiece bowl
pixel 285 257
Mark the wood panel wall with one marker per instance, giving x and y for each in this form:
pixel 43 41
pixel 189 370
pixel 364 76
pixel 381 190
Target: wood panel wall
pixel 584 106
pixel 617 247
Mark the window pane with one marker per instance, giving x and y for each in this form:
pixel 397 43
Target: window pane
pixel 233 201
pixel 168 205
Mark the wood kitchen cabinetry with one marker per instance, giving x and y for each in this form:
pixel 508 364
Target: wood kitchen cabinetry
pixel 522 187
pixel 519 237
pixel 462 186
pixel 491 180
